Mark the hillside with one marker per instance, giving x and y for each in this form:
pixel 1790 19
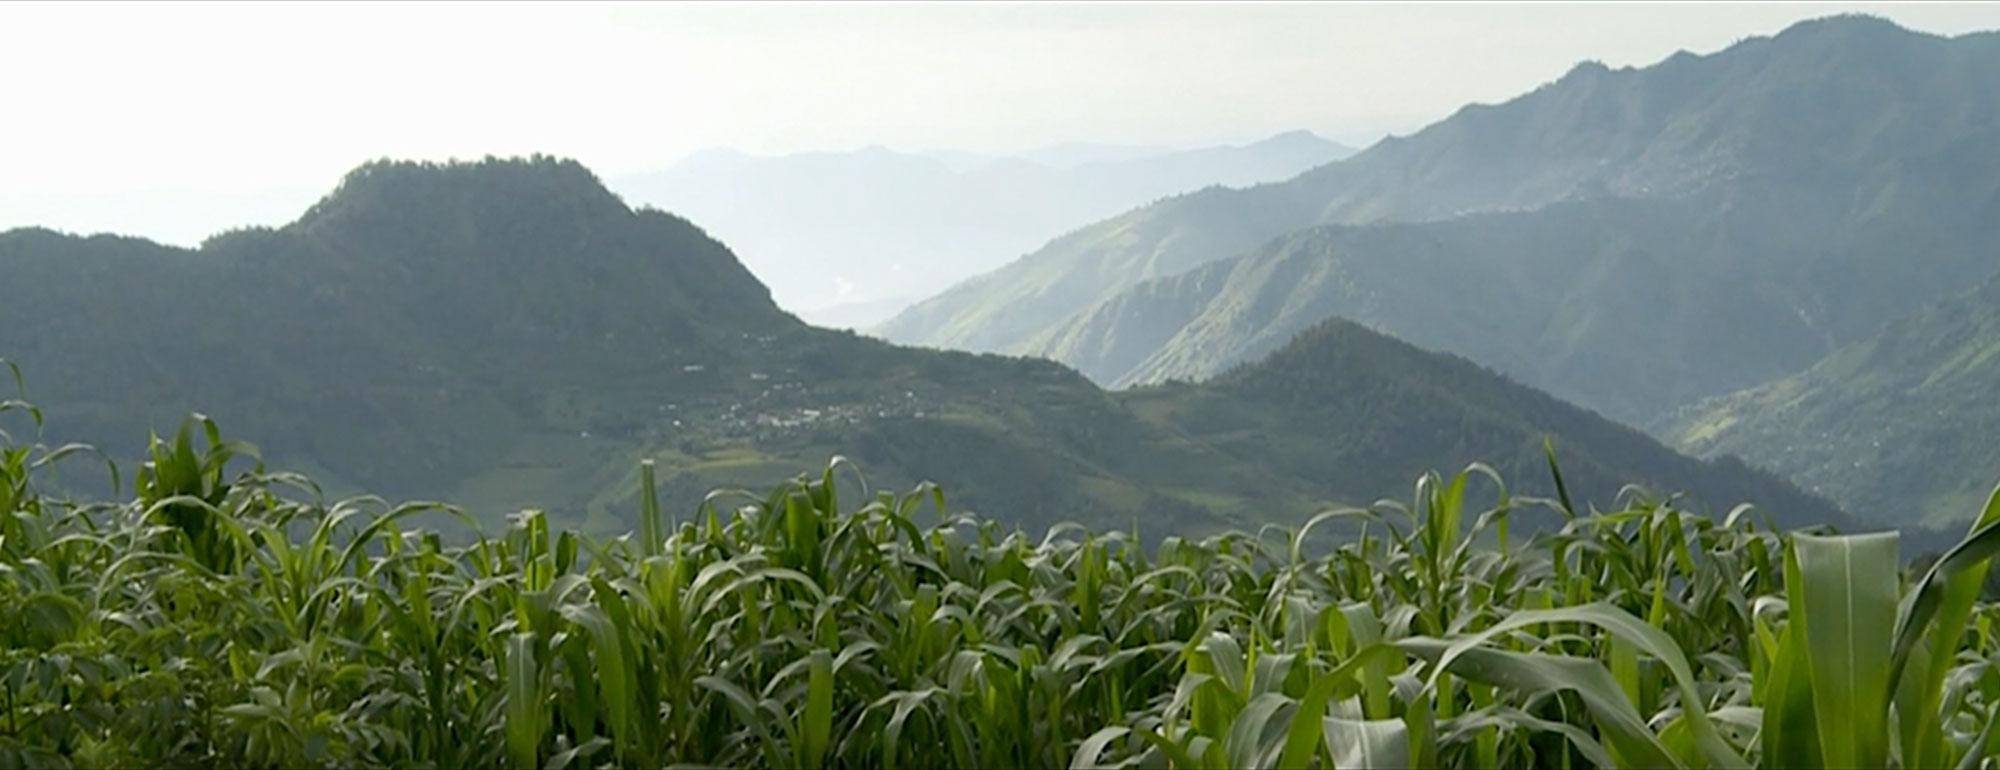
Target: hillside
pixel 1814 216
pixel 831 231
pixel 1888 425
pixel 1352 411
pixel 508 333
pixel 1628 306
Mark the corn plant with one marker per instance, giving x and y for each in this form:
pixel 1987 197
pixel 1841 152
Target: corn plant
pixel 226 616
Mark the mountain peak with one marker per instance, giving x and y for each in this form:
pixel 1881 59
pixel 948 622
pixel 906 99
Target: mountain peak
pixel 1587 69
pixel 1845 26
pixel 1826 40
pixel 398 189
pixel 1296 138
pixel 1295 135
pixel 1339 367
pixel 525 248
pixel 1333 345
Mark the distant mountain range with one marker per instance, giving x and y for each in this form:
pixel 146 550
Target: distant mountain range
pixel 838 233
pixel 510 333
pixel 1634 240
pixel 1727 249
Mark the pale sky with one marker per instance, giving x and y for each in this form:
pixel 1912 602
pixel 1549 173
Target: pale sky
pixel 172 121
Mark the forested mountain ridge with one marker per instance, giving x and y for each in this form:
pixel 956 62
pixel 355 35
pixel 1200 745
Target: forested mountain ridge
pixel 1795 171
pixel 1346 408
pixel 432 309
pixel 508 333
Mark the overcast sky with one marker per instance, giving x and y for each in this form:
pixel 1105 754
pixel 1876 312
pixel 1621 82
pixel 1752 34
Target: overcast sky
pixel 173 120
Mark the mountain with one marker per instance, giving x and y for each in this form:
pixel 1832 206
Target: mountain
pixel 510 333
pixel 843 228
pixel 1629 306
pixel 345 337
pixel 1352 410
pixel 1900 423
pixel 1632 207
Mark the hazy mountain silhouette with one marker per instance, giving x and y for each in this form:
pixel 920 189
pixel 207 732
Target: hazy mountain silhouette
pixel 1633 239
pixel 856 229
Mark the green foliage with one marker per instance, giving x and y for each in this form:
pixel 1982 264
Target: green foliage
pixel 816 627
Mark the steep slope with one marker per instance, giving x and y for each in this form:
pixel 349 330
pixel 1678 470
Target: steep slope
pixel 1892 426
pixel 417 324
pixel 1355 411
pixel 839 228
pixel 1629 306
pixel 1805 166
pixel 508 333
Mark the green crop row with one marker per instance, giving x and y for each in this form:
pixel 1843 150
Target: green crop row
pixel 224 616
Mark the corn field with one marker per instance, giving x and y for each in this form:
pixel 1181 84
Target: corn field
pixel 224 616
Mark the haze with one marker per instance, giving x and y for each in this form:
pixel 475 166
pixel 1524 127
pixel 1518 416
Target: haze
pixel 177 121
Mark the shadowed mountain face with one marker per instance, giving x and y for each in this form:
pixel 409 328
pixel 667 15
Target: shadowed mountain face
pixel 1898 425
pixel 1349 409
pixel 839 233
pixel 406 332
pixel 1629 306
pixel 508 333
pixel 1591 238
